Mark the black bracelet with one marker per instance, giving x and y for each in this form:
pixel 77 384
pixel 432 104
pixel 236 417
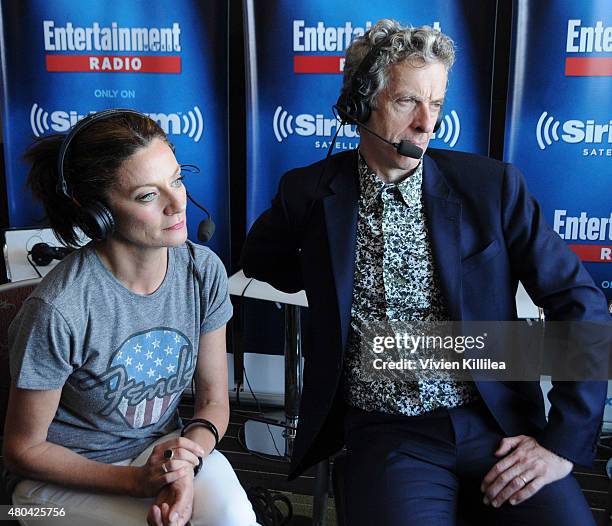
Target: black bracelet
pixel 203 423
pixel 197 468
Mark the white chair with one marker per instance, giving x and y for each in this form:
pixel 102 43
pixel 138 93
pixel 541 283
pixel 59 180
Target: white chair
pixel 12 296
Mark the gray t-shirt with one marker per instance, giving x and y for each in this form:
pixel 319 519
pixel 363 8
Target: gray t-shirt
pixel 121 359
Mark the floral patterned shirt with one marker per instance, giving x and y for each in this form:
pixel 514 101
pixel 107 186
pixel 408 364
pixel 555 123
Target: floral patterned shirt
pixel 394 281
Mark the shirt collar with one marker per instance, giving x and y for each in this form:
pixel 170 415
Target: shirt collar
pixel 371 186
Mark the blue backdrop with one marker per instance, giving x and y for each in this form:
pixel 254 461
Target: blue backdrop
pixel 294 56
pixel 64 59
pixel 559 121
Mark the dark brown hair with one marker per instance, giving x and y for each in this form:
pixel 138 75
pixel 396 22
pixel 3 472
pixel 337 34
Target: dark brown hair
pixel 90 167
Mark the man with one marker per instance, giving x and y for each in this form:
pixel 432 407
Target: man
pixel 377 235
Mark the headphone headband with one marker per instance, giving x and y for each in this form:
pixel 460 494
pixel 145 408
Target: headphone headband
pixel 355 107
pixel 86 122
pixel 94 218
pixel 373 53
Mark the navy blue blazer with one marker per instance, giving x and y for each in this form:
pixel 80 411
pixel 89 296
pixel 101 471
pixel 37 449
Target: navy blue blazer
pixel 487 233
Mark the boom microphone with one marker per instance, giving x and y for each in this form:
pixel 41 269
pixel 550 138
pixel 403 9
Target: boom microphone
pixel 405 148
pixel 206 228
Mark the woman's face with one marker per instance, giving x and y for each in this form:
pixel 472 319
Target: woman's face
pixel 149 200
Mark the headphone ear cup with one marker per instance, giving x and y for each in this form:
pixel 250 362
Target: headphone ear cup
pixel 96 221
pixel 346 107
pixel 355 110
pixel 354 103
pixel 364 111
pixel 438 123
pixel 40 254
pixel 360 86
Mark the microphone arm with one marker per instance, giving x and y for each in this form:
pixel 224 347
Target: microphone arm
pixel 207 227
pixel 405 148
pixel 197 204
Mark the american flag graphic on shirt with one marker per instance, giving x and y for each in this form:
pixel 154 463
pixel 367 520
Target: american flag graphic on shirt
pixel 152 361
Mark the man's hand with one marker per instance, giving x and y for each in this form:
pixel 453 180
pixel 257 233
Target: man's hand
pixel 524 470
pixel 173 505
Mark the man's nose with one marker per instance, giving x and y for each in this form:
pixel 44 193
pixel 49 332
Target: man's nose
pixel 425 118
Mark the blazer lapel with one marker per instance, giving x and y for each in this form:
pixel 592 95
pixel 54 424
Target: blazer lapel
pixel 443 218
pixel 341 208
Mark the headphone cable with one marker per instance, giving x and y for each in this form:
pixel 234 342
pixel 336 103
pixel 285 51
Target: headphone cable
pixel 259 409
pixel 29 258
pixel 321 175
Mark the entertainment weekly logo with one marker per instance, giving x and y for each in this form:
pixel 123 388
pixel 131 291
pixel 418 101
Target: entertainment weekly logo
pixel 189 123
pixel 586 230
pixel 594 40
pixel 311 40
pixel 111 49
pixel 285 124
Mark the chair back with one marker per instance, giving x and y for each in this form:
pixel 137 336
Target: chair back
pixel 12 296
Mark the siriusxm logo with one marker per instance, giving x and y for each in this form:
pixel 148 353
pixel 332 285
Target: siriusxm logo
pixel 306 125
pixel 449 130
pixel 574 131
pixel 190 123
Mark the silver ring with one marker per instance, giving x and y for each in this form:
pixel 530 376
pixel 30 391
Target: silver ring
pixel 164 468
pixel 523 479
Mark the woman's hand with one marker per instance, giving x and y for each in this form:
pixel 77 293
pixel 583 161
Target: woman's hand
pixel 173 505
pixel 159 470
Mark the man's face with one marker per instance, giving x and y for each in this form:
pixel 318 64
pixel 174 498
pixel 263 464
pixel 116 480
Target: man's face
pixel 407 109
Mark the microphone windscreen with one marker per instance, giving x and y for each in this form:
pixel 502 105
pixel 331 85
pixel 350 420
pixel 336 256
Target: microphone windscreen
pixel 407 149
pixel 206 229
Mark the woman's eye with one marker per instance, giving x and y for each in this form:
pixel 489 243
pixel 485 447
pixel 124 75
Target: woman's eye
pixel 147 197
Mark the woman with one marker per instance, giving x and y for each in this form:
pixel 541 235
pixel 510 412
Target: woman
pixel 103 348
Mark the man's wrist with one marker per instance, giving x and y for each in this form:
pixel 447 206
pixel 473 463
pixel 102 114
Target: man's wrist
pixel 562 457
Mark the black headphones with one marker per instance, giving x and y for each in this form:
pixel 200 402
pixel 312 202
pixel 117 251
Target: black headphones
pixel 42 253
pixel 353 105
pixel 95 219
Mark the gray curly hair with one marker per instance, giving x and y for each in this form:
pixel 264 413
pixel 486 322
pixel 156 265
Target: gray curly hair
pixel 419 44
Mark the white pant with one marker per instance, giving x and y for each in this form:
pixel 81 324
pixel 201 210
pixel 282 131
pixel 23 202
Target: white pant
pixel 219 499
